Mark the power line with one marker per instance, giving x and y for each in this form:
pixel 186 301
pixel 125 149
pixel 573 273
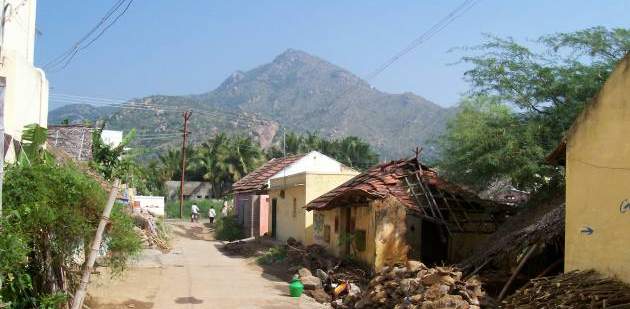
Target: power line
pixel 431 32
pixel 62 61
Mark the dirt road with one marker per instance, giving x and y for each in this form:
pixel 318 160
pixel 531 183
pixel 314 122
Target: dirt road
pixel 195 274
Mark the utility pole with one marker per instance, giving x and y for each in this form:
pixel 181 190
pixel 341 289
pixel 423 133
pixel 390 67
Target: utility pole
pixel 79 296
pixel 181 183
pixel 284 142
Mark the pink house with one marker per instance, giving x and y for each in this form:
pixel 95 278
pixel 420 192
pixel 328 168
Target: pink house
pixel 251 201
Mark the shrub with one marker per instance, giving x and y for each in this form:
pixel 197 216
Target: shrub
pixel 273 255
pixel 50 217
pixel 227 228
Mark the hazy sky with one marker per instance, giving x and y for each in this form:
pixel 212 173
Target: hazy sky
pixel 187 47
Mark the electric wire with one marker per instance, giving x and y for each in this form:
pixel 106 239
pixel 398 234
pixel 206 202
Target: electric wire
pixel 63 60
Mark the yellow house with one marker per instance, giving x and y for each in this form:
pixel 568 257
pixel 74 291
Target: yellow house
pixel 397 211
pixel 297 184
pixel 596 152
pixel 23 87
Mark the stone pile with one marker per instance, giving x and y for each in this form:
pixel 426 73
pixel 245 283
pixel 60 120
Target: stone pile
pixel 417 286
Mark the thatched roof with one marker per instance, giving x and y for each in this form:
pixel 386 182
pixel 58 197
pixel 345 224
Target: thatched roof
pixel 575 289
pixel 542 225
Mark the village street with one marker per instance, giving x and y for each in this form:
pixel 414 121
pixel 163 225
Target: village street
pixel 195 274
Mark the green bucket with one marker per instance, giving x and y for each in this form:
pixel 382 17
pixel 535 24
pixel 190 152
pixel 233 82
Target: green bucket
pixel 296 287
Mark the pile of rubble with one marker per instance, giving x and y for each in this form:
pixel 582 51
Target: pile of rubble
pixel 576 289
pixel 247 248
pixel 315 257
pixel 417 286
pixel 146 227
pixel 311 257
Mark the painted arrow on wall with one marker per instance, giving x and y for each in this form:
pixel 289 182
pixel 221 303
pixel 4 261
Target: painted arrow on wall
pixel 587 230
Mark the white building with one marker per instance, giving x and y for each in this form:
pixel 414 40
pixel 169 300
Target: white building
pixel 112 138
pixel 23 87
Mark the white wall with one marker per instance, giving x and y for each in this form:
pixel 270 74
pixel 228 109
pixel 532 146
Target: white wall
pixel 152 204
pixel 112 138
pixel 26 93
pixel 313 162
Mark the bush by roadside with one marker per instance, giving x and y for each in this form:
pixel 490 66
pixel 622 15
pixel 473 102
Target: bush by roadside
pixel 272 255
pixel 227 228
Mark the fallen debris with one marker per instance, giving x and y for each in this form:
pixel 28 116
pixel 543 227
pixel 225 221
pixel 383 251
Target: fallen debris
pixel 417 286
pixel 326 266
pixel 576 289
pixel 147 229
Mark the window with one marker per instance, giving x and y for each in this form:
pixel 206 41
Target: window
pixel 359 240
pixel 336 224
pixel 327 233
pixel 294 207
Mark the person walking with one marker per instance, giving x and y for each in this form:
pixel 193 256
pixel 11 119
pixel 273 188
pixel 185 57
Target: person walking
pixel 194 213
pixel 211 214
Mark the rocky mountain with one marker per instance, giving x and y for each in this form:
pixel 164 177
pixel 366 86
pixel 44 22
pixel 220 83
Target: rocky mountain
pixel 298 91
pixel 77 113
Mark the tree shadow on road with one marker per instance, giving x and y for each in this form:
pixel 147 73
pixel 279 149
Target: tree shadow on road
pixel 194 231
pixel 279 272
pixel 130 303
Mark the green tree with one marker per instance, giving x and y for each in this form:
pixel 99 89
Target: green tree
pixel 171 163
pixel 487 138
pixel 545 87
pixel 112 162
pixel 223 160
pixel 50 215
pixel 351 150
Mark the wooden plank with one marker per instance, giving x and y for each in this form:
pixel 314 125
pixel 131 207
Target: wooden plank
pixel 414 195
pixel 432 199
pixel 451 212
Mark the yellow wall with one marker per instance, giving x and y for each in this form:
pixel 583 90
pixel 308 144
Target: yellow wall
pixel 384 224
pixel 304 187
pixel 323 220
pixel 598 181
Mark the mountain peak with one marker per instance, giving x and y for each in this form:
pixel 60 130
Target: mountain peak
pixel 295 55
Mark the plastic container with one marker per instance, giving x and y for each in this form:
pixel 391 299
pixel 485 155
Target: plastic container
pixel 296 287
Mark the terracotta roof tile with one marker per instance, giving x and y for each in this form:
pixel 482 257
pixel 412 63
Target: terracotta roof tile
pixel 257 180
pixel 387 179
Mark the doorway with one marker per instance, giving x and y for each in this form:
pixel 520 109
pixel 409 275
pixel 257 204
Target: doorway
pixel 434 247
pixel 347 228
pixel 274 211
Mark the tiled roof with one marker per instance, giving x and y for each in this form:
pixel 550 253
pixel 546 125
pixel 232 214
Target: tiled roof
pixel 385 180
pixel 378 182
pixel 257 179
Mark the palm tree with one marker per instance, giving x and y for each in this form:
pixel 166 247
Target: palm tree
pixel 171 163
pixel 223 160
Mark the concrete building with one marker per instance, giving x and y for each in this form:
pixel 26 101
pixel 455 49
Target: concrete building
pixel 23 87
pixel 251 199
pixel 112 138
pixel 296 185
pixel 193 190
pixel 397 211
pixel 596 152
